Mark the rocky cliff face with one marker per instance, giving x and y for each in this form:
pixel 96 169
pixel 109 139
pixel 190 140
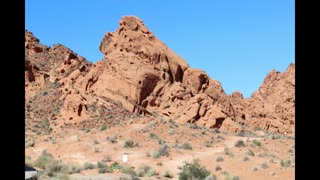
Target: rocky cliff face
pixel 272 106
pixel 140 74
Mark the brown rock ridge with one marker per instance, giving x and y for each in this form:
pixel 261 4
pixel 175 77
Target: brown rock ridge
pixel 272 106
pixel 140 74
pixel 143 74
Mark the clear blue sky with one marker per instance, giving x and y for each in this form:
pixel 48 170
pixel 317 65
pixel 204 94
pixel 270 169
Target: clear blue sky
pixel 235 42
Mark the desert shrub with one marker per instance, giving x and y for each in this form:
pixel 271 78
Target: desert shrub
pixel 193 170
pixel 256 143
pixel 286 163
pixel 218 168
pixel 95 149
pixel 267 154
pixel 143 130
pixel 103 127
pixel 171 131
pixel 101 165
pixel 235 178
pixel 161 141
pixel 186 146
pixel 153 136
pixel 28 161
pixel 151 124
pixel 75 169
pixel 264 165
pixel 162 151
pixel 208 144
pixel 220 137
pixel 29 142
pixel 246 158
pixel 146 171
pixel 211 177
pixel 239 144
pixel 88 165
pixel 250 152
pixel 107 158
pixel 112 139
pixel 54 167
pixel 102 170
pixel 271 160
pixel 219 159
pixel 215 130
pixel 113 166
pixel 155 154
pixel 95 141
pixel 275 136
pixel 167 174
pixel 130 171
pixel 257 128
pixel 128 143
pixel 43 159
pixel 203 131
pixel 228 152
pixel 246 134
pixel 254 169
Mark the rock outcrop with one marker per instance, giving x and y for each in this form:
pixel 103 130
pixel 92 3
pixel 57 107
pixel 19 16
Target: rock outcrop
pixel 140 74
pixel 272 106
pixel 143 74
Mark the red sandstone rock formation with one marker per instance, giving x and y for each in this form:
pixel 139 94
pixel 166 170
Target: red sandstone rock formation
pixel 139 73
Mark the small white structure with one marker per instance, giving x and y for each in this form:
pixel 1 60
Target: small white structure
pixel 125 157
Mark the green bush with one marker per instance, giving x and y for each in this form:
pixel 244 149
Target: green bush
pixel 95 141
pixel 239 144
pixel 161 141
pixel 215 130
pixel 186 146
pixel 167 174
pixel 219 159
pixel 208 143
pixel 250 152
pixel 130 171
pixel 88 165
pixel 228 152
pixel 171 131
pixel 285 163
pixel 264 165
pixel 218 168
pixel 103 127
pixel 220 137
pixel 211 177
pixel 153 136
pixel 129 143
pixel 193 170
pixel 51 166
pixel 162 151
pixel 43 159
pixel 103 170
pixel 146 171
pixel 29 142
pixel 112 139
pixel 101 165
pixel 113 166
pixel 256 143
pixel 246 158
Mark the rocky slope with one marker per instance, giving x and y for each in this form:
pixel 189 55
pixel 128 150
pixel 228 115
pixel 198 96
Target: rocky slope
pixel 272 106
pixel 140 74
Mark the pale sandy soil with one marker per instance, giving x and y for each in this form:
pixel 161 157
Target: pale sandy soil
pixel 76 146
